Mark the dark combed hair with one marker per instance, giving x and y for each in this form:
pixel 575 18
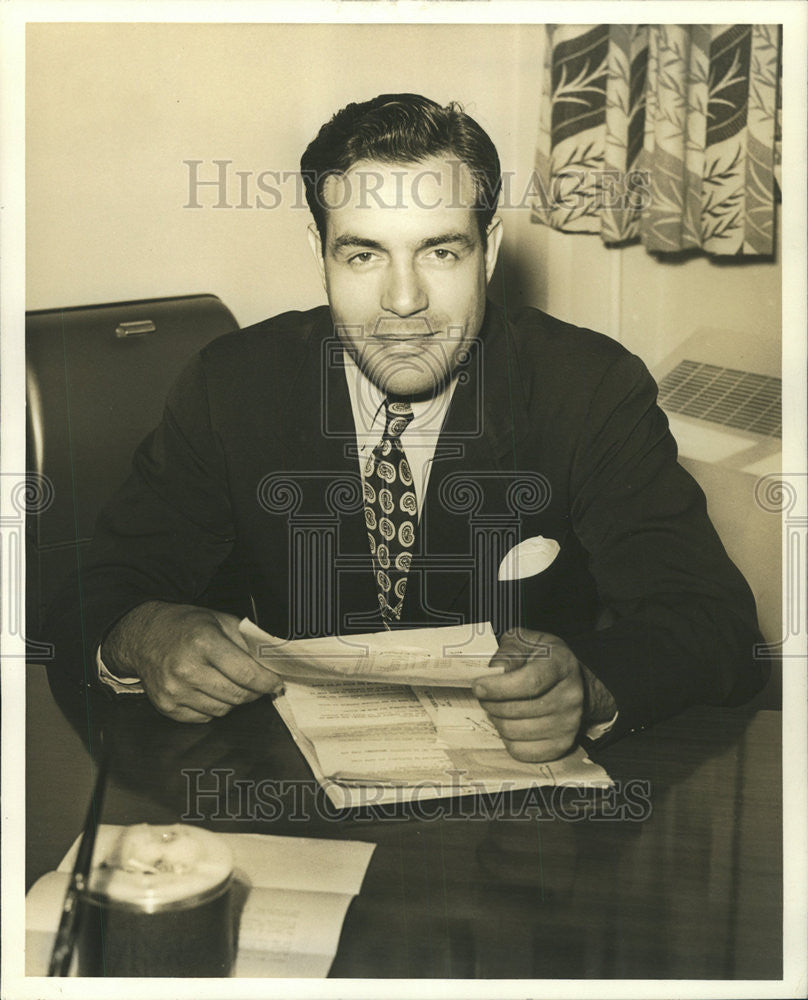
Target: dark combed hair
pixel 406 129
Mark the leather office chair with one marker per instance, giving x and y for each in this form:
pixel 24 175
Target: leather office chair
pixel 97 378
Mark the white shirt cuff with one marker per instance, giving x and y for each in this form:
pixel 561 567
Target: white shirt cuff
pixel 601 728
pixel 120 685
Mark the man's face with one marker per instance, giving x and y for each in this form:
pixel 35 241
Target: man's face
pixel 404 269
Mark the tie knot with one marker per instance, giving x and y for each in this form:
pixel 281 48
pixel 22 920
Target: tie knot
pixel 398 415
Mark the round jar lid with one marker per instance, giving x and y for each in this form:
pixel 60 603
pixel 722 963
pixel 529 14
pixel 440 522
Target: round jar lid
pixel 151 867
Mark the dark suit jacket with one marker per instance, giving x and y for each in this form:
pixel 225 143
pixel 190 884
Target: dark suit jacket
pixel 247 497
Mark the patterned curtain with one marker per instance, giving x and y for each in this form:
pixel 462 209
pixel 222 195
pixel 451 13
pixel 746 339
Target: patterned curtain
pixel 664 133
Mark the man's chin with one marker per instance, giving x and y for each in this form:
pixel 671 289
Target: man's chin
pixel 412 383
pixel 407 374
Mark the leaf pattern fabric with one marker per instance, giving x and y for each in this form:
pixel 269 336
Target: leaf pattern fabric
pixel 664 133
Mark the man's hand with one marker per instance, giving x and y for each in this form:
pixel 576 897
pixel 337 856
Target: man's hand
pixel 193 663
pixel 539 704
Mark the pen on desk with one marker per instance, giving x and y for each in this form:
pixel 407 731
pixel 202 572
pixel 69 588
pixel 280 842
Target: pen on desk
pixel 66 934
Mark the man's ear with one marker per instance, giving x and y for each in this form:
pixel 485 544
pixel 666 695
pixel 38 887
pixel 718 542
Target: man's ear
pixel 494 240
pixel 316 245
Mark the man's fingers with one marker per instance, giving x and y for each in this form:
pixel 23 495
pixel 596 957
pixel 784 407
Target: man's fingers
pixel 536 752
pixel 562 697
pixel 198 701
pixel 535 730
pixel 184 700
pixel 211 680
pixel 507 659
pixel 513 651
pixel 525 708
pixel 531 680
pixel 206 693
pixel 181 713
pixel 239 670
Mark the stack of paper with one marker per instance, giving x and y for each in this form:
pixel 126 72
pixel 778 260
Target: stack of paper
pixel 371 741
pixel 297 894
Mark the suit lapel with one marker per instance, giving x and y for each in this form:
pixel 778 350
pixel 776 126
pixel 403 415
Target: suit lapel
pixel 320 446
pixel 473 466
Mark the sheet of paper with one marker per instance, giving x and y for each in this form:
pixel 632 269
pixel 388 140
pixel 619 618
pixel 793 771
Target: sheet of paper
pixel 45 900
pixel 284 921
pixel 43 910
pixel 270 862
pixel 406 758
pixel 301 863
pixel 459 718
pixel 281 965
pixel 336 704
pixel 451 656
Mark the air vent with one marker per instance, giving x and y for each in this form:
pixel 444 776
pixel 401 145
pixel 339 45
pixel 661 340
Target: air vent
pixel 726 396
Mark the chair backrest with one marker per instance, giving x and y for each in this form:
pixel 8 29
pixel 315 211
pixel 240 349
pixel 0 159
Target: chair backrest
pixel 97 378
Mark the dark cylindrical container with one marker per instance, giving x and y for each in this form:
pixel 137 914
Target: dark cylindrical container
pixel 158 922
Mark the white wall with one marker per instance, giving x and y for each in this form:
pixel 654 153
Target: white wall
pixel 649 305
pixel 113 110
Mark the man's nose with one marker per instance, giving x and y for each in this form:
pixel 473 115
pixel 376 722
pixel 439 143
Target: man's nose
pixel 404 292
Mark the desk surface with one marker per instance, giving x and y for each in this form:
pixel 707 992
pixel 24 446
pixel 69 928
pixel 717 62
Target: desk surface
pixel 678 875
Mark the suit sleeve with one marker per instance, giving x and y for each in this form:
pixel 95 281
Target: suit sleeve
pixel 161 537
pixel 683 620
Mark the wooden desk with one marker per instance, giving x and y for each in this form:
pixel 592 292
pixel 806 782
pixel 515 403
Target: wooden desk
pixel 679 876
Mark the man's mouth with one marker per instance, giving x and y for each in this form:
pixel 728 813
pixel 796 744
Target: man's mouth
pixel 403 338
pixel 388 331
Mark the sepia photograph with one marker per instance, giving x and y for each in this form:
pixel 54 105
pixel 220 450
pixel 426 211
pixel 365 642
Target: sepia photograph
pixel 404 499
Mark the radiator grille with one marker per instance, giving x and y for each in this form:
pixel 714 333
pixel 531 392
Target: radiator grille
pixel 724 396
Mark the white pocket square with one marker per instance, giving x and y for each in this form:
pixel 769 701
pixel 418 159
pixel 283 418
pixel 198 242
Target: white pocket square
pixel 528 558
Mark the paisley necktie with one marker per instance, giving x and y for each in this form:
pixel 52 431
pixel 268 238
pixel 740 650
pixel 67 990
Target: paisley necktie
pixel 391 511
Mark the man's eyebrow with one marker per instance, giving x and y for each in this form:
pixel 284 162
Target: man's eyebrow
pixel 350 240
pixel 437 241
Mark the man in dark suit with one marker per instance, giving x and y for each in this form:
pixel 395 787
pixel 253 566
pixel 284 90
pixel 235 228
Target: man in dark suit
pixel 413 455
